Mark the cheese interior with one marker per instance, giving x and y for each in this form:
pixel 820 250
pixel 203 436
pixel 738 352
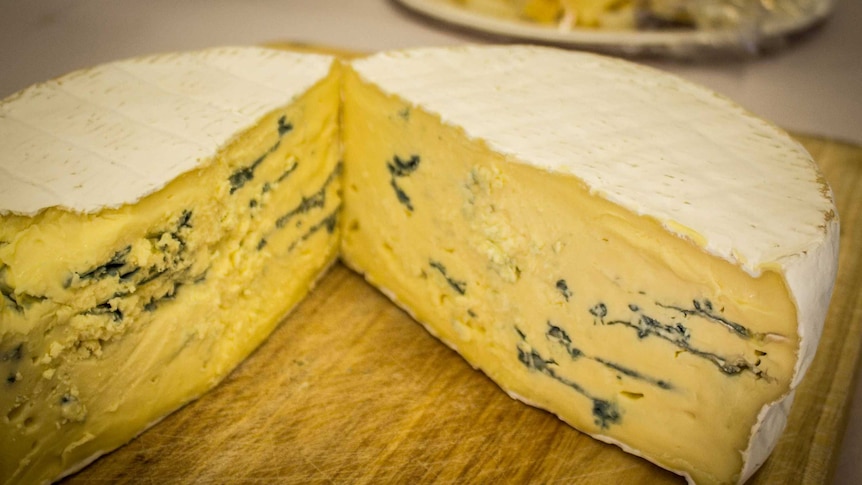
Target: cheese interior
pixel 112 320
pixel 565 300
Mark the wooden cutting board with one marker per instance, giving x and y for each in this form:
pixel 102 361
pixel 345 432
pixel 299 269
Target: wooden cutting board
pixel 349 389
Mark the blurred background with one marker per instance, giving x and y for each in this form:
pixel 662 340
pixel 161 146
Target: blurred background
pixel 811 85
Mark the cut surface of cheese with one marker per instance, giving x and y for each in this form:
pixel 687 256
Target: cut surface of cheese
pixel 605 241
pixel 167 253
pixel 626 250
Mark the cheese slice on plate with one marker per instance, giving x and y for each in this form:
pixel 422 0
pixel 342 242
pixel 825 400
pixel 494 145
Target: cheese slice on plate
pixel 626 250
pixel 159 217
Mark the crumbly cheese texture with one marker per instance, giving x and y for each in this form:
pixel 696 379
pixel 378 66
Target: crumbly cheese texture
pixel 631 252
pixel 113 317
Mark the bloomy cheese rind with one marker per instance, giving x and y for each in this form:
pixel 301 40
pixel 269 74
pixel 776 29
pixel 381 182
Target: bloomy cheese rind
pixel 208 96
pixel 810 276
pixel 771 422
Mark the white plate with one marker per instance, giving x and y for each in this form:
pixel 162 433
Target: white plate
pixel 678 43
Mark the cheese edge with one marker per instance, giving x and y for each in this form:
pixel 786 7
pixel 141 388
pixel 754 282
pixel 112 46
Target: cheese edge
pixel 811 297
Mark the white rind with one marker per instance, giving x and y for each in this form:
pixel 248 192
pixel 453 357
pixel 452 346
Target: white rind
pixel 771 422
pixel 110 135
pixel 655 144
pixel 810 276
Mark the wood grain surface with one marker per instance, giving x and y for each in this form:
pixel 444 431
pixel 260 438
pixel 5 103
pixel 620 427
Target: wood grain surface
pixel 349 389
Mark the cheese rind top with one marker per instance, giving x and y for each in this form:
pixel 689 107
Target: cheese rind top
pixel 647 140
pixel 97 138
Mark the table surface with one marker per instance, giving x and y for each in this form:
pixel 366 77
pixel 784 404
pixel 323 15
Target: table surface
pixel 812 86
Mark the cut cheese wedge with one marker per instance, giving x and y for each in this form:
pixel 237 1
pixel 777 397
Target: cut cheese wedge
pixel 626 250
pixel 160 217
